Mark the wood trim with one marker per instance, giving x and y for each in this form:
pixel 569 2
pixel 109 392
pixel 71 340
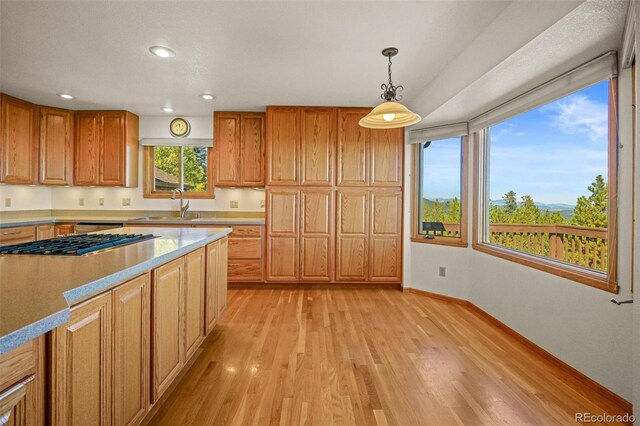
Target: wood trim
pixel 347 285
pixel 147 178
pixel 634 147
pixel 547 356
pixel 608 282
pixel 416 237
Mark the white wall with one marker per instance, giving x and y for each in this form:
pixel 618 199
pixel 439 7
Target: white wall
pixel 576 323
pixel 636 260
pixel 27 197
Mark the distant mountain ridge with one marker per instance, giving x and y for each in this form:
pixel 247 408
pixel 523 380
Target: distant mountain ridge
pixel 566 210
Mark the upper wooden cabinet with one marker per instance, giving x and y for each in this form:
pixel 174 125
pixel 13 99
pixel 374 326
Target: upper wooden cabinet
pixel 239 148
pixel 18 141
pixel 368 157
pixel 317 144
pixel 283 145
pixel 106 148
pixel 56 146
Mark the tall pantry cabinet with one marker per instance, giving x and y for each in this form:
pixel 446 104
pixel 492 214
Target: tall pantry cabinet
pixel 334 197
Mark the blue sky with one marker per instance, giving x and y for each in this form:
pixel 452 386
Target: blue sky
pixel 552 153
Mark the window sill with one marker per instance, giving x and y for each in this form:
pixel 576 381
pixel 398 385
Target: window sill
pixel 192 196
pixel 442 241
pixel 596 280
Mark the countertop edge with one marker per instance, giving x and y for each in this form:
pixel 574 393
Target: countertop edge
pixel 79 294
pixel 131 222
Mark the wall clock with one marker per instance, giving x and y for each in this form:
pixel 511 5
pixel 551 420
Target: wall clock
pixel 179 127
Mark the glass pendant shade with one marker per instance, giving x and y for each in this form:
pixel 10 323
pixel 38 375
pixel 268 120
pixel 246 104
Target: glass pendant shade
pixel 389 115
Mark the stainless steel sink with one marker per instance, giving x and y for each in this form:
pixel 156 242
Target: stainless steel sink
pixel 167 218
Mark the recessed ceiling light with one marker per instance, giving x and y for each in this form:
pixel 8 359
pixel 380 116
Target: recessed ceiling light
pixel 162 52
pixel 207 97
pixel 65 96
pixel 168 109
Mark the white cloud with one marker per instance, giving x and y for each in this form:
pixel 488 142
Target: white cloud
pixel 578 114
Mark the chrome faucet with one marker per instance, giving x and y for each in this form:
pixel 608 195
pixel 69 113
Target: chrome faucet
pixel 183 207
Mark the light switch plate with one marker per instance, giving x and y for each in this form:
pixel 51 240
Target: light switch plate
pixel 262 204
pixel 81 201
pixel 126 202
pixel 233 204
pixel 443 271
pixel 7 202
pixel 101 201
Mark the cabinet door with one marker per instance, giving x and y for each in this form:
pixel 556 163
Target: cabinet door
pixel 353 148
pixel 316 234
pixel 16 404
pixel 211 288
pixel 17 235
pixel 317 142
pixel 385 245
pixel 194 282
pixel 81 365
pixel 18 141
pixel 56 155
pixel 45 232
pixel 282 235
pixel 167 340
pixel 387 150
pixel 252 149
pixel 283 145
pixel 222 276
pixel 352 235
pixel 131 354
pixel 112 148
pixel 226 144
pixel 86 149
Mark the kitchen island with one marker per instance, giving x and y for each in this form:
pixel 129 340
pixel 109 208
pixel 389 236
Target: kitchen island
pixel 110 317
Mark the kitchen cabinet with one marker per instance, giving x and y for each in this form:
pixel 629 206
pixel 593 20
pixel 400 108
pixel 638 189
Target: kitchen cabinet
pixel 18 141
pixel 45 232
pixel 167 325
pixel 239 149
pixel 221 282
pixel 317 145
pixel 81 351
pixel 106 148
pixel 246 249
pixel 352 234
pixel 283 145
pixel 132 350
pixel 17 235
pixel 316 234
pixel 282 234
pixel 56 146
pixel 385 241
pixel 62 229
pixel 194 303
pixel 386 157
pixel 22 384
pixel 211 287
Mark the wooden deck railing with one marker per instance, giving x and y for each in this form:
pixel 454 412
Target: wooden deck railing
pixel 578 245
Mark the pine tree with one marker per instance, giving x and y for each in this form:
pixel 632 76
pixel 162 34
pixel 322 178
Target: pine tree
pixel 592 210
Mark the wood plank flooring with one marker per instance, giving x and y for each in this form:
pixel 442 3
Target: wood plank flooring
pixel 368 357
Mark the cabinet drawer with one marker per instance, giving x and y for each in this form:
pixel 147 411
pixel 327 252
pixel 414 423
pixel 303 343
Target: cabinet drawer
pixel 246 231
pixel 245 270
pixel 245 248
pixel 17 364
pixel 21 234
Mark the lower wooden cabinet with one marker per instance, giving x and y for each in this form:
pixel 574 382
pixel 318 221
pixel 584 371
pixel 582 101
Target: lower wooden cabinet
pixel 15 404
pixel 17 235
pixel 194 292
pixel 131 350
pixel 167 325
pixel 211 286
pixel 81 367
pixel 45 232
pixel 352 237
pixel 222 279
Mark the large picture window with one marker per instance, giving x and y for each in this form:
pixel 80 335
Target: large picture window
pixel 440 191
pixel 548 184
pixel 167 168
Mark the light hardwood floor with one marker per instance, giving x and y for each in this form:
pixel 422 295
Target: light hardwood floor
pixel 368 357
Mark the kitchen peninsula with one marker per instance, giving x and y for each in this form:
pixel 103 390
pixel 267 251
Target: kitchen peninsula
pixel 108 327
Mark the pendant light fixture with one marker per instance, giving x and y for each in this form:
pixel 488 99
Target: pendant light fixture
pixel 390 114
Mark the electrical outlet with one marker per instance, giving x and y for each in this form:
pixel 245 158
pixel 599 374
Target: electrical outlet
pixel 7 202
pixel 262 204
pixel 101 201
pixel 81 201
pixel 443 271
pixel 126 202
pixel 233 204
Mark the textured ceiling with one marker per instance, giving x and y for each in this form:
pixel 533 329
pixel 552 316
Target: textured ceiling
pixel 249 54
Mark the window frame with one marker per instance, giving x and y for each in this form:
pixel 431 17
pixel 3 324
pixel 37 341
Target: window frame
pixel 148 176
pixel 416 236
pixel 604 281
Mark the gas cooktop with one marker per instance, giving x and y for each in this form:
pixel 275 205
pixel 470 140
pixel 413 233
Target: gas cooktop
pixel 74 245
